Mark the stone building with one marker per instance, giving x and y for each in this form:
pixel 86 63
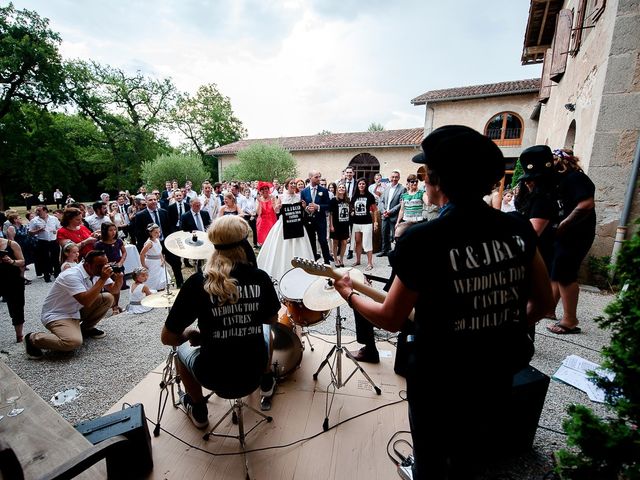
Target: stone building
pixel 505 111
pixel 590 95
pixel 367 152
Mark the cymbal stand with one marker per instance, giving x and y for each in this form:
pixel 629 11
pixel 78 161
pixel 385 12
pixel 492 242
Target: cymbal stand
pixel 170 381
pixel 336 376
pixel 304 332
pixel 169 384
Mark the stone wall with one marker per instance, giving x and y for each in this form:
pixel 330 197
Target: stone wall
pixel 618 128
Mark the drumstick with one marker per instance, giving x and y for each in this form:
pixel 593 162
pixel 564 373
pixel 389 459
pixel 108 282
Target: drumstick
pixel 323 270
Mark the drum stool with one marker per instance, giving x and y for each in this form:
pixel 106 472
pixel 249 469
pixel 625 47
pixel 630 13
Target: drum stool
pixel 237 406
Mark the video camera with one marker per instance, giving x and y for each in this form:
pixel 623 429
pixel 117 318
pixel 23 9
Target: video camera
pixel 3 253
pixel 116 268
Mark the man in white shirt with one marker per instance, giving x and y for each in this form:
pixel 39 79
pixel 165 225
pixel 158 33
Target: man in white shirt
pixel 75 305
pixel 57 197
pixel 45 228
pixel 240 199
pixel 377 188
pixel 98 217
pixel 209 201
pixel 189 194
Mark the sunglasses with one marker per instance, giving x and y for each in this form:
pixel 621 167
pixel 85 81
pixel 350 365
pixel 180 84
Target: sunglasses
pixel 413 181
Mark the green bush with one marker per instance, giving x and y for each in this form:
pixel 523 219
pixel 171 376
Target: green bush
pixel 261 161
pixel 175 165
pixel 609 449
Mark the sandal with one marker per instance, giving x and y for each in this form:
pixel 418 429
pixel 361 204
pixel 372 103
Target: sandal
pixel 560 329
pixel 368 268
pixel 116 310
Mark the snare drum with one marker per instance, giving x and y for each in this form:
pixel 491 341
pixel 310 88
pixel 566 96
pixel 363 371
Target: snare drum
pixel 287 347
pixel 293 284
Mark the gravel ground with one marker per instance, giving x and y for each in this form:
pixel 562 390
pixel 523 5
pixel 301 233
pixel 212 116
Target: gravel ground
pixel 108 368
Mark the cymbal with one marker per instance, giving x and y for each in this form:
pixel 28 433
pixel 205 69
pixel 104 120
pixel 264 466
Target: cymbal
pixel 184 245
pixel 160 299
pixel 321 295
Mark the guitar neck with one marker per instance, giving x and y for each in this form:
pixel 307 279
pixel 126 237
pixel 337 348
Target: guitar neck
pixel 372 293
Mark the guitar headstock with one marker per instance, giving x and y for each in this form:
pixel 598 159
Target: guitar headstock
pixel 313 268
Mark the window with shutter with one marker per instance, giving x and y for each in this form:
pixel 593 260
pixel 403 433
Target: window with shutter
pixel 505 129
pixel 545 83
pixel 577 29
pixel 561 44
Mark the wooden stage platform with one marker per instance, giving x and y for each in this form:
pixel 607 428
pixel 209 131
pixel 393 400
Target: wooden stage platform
pixel 355 449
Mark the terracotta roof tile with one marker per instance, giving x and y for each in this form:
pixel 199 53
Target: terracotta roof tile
pixel 386 138
pixel 478 91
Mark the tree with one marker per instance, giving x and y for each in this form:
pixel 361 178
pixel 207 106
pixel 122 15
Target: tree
pixel 129 110
pixel 325 132
pixel 174 165
pixel 375 127
pixel 609 449
pixel 261 161
pixel 43 151
pixel 206 120
pixel 30 65
pixel 517 173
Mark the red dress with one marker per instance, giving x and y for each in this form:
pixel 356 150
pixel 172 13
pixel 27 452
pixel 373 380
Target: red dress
pixel 266 220
pixel 77 236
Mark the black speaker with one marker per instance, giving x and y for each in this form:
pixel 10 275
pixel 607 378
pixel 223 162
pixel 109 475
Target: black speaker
pixel 134 461
pixel 528 393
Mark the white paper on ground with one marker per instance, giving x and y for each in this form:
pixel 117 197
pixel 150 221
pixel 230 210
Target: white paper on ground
pixel 66 396
pixel 573 371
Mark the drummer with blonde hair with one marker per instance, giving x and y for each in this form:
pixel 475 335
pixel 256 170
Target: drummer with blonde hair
pixel 234 303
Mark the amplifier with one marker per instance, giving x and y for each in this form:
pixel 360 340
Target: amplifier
pixel 134 461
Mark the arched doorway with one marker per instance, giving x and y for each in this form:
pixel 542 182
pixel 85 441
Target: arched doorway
pixel 365 165
pixel 570 139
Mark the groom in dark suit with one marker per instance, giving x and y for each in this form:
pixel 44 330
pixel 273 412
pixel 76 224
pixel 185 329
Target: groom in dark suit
pixel 316 199
pixel 154 214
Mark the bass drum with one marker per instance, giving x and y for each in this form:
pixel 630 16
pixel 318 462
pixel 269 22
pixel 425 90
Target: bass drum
pixel 287 347
pixel 292 285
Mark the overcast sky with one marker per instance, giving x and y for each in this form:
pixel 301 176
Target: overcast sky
pixel 296 67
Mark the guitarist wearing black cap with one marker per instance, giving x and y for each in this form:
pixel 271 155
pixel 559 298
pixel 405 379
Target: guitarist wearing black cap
pixel 477 282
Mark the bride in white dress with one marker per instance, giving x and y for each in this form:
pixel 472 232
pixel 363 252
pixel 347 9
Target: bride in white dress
pixel 276 252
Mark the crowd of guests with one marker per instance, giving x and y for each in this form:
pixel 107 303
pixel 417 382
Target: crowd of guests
pixel 342 217
pixel 529 256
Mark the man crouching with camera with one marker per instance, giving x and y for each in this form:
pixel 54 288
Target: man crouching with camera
pixel 77 301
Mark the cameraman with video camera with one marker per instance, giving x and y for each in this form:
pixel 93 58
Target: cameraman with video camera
pixel 75 305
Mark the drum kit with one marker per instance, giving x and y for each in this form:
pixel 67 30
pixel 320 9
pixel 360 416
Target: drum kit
pixel 308 300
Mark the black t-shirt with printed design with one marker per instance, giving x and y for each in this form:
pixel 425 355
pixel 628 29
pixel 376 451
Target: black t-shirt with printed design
pixel 339 211
pixel 361 208
pixel 232 342
pixel 471 269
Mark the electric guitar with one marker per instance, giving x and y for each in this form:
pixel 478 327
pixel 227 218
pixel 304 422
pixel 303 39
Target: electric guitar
pixel 323 270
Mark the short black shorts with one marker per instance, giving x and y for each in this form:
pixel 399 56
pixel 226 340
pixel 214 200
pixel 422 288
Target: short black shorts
pixel 569 252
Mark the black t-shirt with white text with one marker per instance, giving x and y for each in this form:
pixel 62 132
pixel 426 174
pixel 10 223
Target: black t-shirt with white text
pixel 232 340
pixel 471 269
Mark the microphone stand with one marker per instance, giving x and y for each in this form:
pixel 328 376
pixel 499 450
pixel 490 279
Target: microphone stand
pixel 336 376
